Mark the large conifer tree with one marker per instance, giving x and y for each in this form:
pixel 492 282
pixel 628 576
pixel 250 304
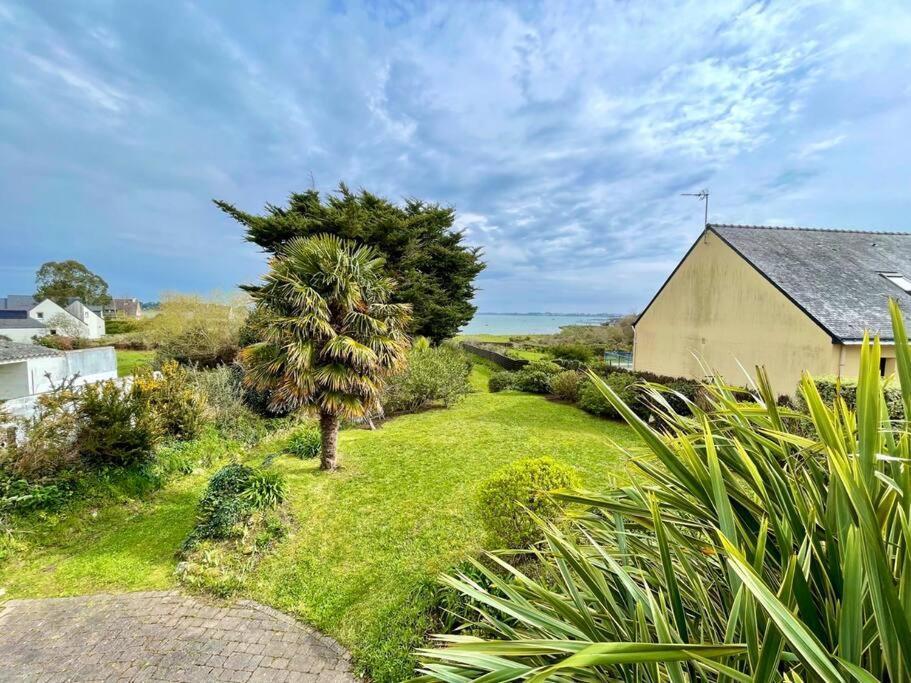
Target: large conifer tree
pixel 433 269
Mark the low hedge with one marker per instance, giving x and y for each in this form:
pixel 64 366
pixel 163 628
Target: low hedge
pixel 832 387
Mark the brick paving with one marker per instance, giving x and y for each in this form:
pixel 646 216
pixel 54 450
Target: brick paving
pixel 161 636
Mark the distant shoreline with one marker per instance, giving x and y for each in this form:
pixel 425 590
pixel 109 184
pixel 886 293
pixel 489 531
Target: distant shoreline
pixel 560 315
pixel 500 324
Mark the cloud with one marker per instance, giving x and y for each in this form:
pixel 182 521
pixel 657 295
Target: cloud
pixel 562 133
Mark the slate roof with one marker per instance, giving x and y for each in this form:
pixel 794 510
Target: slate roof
pixel 21 324
pixel 834 276
pixel 18 302
pixel 11 351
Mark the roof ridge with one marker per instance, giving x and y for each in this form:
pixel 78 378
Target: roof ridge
pixel 802 229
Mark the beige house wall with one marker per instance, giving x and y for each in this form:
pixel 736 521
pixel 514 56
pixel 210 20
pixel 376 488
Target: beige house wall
pixel 718 308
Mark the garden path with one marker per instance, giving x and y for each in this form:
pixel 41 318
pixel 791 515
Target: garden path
pixel 162 636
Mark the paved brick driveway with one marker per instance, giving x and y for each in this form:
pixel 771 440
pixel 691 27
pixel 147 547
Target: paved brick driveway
pixel 161 636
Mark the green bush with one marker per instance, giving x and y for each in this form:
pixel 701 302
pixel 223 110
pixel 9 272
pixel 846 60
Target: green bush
pixel 535 377
pixel 225 406
pixel 172 399
pixel 501 381
pixel 265 489
pixel 113 426
pixel 433 375
pixel 305 443
pixel 517 489
pixel 566 385
pixel 593 401
pixel 19 495
pixel 832 387
pixel 570 351
pixel 121 325
pixel 234 493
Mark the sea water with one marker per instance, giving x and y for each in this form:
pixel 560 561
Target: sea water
pixel 527 323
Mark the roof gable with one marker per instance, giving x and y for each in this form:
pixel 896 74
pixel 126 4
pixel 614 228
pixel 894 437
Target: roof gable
pixel 834 276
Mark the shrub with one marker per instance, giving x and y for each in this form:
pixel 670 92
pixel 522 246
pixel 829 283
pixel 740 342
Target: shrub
pixel 48 439
pixel 433 375
pixel 233 494
pixel 63 342
pixel 18 495
pixel 501 381
pixel 740 521
pixel 570 351
pixel 305 443
pixel 568 364
pixel 265 489
pixel 566 385
pixel 225 406
pixel 172 399
pixel 113 426
pixel 535 377
pixel 832 387
pixel 197 331
pixel 121 326
pixel 515 490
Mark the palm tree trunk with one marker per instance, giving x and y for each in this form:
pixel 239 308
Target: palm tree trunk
pixel 328 425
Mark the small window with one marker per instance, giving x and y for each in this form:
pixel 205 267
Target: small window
pixel 899 280
pixel 40 315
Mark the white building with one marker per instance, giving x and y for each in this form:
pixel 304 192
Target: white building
pixel 22 318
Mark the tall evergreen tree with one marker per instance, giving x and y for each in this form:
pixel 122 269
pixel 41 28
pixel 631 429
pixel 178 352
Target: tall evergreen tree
pixel 433 269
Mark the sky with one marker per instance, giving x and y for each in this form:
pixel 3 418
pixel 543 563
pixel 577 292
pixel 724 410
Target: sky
pixel 563 133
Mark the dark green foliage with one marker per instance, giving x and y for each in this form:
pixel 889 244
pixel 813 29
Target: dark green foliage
pixel 19 495
pixel 501 381
pixel 61 281
pixel 569 364
pixel 593 401
pixel 435 272
pixel 521 487
pixel 535 377
pixel 304 443
pixel 233 494
pixel 433 376
pixel 114 426
pixel 681 391
pixel 572 351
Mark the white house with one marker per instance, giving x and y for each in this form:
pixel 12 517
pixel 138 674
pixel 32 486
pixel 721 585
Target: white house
pixel 93 322
pixel 27 370
pixel 22 318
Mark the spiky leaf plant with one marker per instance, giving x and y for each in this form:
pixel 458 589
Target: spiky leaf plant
pixel 330 335
pixel 750 552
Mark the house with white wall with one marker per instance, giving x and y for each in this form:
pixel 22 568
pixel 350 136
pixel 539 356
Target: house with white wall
pixel 76 320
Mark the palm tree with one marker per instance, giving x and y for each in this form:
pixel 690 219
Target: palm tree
pixel 329 333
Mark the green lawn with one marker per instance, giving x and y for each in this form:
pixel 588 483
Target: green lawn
pixel 367 541
pixel 129 361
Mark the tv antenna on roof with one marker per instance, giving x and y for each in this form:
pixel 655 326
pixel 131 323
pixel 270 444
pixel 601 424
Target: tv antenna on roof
pixel 703 196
